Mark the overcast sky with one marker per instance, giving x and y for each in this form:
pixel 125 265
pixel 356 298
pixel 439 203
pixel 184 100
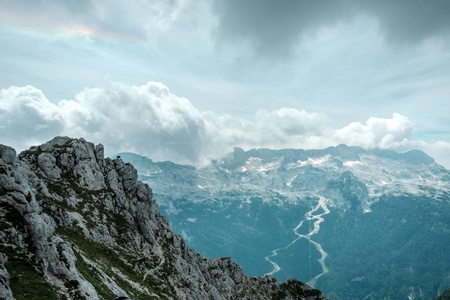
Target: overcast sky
pixel 188 80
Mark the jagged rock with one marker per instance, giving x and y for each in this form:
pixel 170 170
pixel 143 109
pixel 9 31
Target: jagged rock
pixel 100 155
pixel 90 230
pixel 7 154
pixel 47 163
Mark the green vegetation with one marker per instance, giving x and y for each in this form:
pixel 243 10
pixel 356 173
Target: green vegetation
pixel 92 276
pixel 25 282
pixel 26 279
pixel 107 259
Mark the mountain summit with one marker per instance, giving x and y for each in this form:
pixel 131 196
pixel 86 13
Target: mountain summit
pixel 76 225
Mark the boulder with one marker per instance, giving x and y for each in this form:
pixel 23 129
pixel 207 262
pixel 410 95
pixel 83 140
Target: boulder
pixel 7 154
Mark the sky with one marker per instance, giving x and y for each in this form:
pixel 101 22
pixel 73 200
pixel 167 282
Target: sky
pixel 189 80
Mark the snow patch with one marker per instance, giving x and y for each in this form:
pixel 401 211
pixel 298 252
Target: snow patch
pixel 256 164
pixel 150 173
pixel 289 183
pixel 310 162
pixel 353 163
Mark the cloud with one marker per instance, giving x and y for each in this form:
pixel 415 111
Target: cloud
pixel 409 21
pixel 144 119
pixel 272 28
pixel 265 28
pixel 138 21
pixel 275 28
pixel 27 117
pixel 282 128
pixel 377 133
pixel 152 121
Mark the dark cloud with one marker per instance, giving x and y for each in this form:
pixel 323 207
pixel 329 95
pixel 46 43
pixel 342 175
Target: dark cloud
pixel 274 28
pixel 409 21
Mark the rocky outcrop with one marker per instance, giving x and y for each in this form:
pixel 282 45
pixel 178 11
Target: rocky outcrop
pixel 80 226
pixel 7 154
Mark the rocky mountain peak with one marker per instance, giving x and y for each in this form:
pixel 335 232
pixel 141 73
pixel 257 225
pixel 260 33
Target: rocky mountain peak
pixel 77 225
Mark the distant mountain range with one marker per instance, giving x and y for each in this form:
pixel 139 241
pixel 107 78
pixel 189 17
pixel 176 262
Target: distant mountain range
pixel 354 223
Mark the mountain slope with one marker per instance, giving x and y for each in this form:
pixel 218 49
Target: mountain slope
pixel 354 223
pixel 78 226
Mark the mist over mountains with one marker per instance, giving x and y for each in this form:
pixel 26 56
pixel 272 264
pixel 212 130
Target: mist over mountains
pixel 354 223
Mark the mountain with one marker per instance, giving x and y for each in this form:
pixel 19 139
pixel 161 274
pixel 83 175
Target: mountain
pixel 354 223
pixel 76 225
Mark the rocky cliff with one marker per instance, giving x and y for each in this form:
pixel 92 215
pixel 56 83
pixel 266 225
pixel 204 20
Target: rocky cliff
pixel 76 225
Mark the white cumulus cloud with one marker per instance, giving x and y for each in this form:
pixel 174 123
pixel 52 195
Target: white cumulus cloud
pixel 147 119
pixel 150 120
pixel 27 116
pixel 377 132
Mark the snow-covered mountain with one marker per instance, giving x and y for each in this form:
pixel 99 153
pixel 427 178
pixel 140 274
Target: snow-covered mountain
pixel 355 223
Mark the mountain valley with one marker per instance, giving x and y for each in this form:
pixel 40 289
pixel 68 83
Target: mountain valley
pixel 355 223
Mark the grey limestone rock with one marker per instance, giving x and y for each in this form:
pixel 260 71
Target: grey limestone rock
pixel 100 155
pixel 89 175
pixel 47 163
pixel 7 154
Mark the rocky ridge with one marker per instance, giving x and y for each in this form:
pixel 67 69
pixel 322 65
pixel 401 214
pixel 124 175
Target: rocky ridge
pixel 294 173
pixel 76 225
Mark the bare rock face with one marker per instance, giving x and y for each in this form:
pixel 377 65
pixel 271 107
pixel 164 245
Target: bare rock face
pixel 7 154
pixel 47 163
pixel 80 226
